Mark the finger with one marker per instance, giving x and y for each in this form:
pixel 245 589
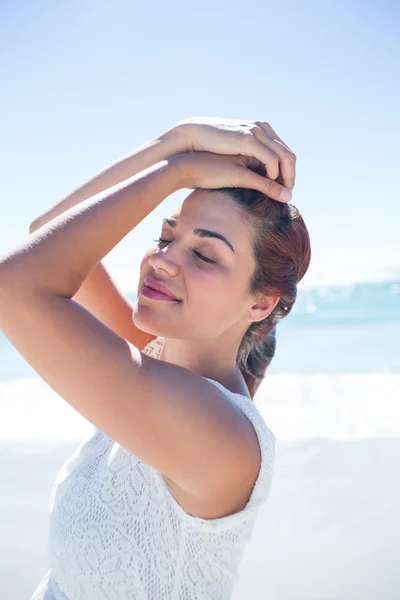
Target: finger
pixel 251 180
pixel 287 159
pixel 288 164
pixel 277 163
pixel 270 131
pixel 264 154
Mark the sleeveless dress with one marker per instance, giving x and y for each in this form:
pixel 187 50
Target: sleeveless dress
pixel 117 533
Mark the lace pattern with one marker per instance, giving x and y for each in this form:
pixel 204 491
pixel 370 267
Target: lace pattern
pixel 117 533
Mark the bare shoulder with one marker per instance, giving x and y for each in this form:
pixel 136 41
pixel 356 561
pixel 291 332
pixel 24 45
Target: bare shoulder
pixel 217 435
pixel 169 417
pixel 228 497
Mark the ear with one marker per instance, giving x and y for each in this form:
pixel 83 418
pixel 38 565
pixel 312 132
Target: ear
pixel 263 307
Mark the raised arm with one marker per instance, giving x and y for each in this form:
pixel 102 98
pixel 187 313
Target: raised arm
pixel 99 293
pixel 167 144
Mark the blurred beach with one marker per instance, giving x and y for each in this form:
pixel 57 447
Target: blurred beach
pixel 331 527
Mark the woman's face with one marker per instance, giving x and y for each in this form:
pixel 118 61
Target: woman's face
pixel 213 296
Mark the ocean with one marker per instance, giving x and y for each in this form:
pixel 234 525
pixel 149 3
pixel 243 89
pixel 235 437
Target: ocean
pixel 330 529
pixel 331 329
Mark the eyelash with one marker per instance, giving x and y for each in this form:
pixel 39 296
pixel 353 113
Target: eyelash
pixel 208 260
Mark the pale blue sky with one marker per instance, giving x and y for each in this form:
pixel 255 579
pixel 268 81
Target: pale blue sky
pixel 86 82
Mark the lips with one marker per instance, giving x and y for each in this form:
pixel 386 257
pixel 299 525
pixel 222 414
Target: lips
pixel 159 287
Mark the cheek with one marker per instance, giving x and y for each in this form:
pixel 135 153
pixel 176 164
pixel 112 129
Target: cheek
pixel 210 290
pixel 228 296
pixel 203 278
pixel 214 305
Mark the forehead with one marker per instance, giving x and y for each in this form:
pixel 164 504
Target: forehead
pixel 213 211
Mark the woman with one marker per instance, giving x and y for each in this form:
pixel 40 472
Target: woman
pixel 161 501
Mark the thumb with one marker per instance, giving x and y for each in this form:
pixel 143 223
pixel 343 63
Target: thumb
pixel 269 187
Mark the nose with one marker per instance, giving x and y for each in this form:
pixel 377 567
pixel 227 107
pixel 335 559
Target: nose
pixel 163 259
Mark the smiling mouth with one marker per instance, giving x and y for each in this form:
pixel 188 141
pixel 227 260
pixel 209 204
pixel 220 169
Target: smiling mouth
pixel 148 292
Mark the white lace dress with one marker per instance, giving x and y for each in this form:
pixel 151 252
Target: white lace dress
pixel 116 532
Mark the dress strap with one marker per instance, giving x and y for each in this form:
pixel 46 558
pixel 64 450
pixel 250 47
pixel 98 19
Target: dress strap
pixel 155 347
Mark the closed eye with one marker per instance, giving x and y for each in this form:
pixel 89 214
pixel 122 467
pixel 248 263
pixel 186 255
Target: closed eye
pixel 161 241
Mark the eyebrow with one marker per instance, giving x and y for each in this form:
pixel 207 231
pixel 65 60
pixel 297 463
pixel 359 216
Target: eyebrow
pixel 205 233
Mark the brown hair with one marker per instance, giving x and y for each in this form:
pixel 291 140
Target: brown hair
pixel 282 252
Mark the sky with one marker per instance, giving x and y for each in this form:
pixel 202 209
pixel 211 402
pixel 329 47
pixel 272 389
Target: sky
pixel 83 83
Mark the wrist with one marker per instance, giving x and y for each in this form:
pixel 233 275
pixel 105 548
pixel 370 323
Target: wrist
pixel 180 167
pixel 178 139
pixel 174 165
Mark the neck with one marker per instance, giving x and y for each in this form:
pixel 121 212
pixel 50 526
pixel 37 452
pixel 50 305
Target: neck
pixel 201 357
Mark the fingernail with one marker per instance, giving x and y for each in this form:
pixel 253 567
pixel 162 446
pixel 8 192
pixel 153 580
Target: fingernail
pixel 286 195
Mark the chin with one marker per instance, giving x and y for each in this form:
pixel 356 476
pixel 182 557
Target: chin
pixel 148 320
pixel 142 318
pixel 158 324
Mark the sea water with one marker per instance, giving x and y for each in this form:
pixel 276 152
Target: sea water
pixel 338 351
